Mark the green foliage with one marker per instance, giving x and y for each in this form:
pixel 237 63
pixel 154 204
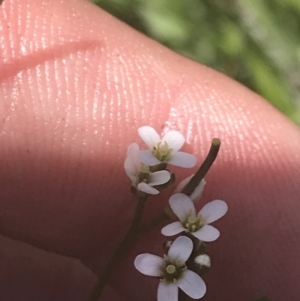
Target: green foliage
pixel 255 42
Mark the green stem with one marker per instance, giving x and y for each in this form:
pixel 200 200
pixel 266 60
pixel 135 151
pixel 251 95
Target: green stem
pixel 204 168
pixel 123 248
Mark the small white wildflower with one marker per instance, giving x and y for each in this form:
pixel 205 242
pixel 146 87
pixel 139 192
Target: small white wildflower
pixel 172 271
pixel 196 195
pixel 165 149
pixel 134 168
pixel 196 224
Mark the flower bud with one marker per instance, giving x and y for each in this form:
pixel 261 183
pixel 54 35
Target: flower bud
pixel 203 260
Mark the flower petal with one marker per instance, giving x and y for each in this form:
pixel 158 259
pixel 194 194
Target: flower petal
pixel 183 160
pixel 213 211
pixel 182 205
pixel 129 169
pixel 132 164
pixel 167 292
pixel 192 284
pixel 207 233
pixel 174 139
pixel 181 249
pixel 133 154
pixel 196 195
pixel 149 135
pixel 182 184
pixel 146 188
pixel 159 177
pixel 148 264
pixel 172 229
pixel 147 158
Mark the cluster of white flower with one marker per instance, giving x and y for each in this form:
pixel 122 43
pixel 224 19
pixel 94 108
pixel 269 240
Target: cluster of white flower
pixel 161 150
pixel 147 174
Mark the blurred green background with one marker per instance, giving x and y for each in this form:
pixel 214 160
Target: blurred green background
pixel 256 42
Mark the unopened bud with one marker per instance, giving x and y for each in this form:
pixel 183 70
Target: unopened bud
pixel 203 260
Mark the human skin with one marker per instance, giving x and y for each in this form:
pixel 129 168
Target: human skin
pixel 75 85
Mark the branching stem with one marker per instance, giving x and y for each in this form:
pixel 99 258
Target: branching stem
pixel 135 230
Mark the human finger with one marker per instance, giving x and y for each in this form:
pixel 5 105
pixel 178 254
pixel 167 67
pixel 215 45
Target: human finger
pixel 64 133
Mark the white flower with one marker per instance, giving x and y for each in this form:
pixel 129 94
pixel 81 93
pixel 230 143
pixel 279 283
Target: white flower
pixel 196 224
pixel 172 271
pixel 165 149
pixel 139 173
pixel 196 195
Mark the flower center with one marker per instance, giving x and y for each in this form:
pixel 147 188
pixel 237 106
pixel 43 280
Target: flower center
pixel 193 223
pixel 144 174
pixel 162 151
pixel 171 270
